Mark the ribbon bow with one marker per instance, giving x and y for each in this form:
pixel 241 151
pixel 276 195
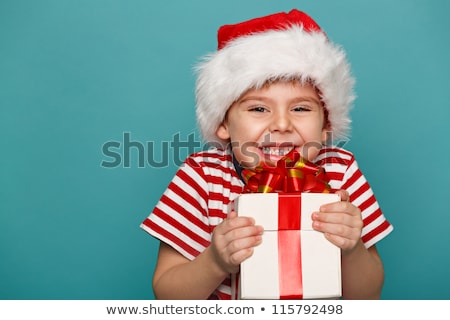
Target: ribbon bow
pixel 292 173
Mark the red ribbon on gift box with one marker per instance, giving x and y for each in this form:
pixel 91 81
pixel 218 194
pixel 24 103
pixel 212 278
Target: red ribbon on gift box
pixel 289 247
pixel 292 173
pixel 289 177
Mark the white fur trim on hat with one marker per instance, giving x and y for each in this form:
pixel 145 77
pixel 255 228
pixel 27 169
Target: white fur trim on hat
pixel 249 61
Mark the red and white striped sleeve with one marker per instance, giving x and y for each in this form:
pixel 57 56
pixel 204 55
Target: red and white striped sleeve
pixel 180 218
pixel 344 173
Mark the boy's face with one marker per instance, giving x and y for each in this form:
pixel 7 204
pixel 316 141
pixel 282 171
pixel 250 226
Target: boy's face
pixel 267 123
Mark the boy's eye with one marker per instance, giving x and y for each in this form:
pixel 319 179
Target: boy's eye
pixel 301 108
pixel 258 109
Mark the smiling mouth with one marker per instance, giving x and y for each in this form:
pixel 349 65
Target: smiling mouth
pixel 277 150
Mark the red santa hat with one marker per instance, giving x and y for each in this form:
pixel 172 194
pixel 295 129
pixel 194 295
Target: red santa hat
pixel 281 46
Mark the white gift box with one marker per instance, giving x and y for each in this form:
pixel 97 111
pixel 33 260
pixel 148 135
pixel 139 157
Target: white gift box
pixel 293 261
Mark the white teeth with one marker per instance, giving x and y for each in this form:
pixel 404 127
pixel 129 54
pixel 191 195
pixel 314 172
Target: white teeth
pixel 276 151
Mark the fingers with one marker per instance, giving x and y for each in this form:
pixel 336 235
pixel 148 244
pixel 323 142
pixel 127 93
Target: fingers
pixel 242 233
pixel 350 231
pixel 235 227
pixel 341 222
pixel 346 244
pixel 234 239
pixel 343 206
pixel 241 249
pixel 234 222
pixel 338 216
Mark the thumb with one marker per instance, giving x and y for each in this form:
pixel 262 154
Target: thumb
pixel 345 196
pixel 232 214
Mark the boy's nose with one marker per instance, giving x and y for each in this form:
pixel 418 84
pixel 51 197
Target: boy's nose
pixel 281 122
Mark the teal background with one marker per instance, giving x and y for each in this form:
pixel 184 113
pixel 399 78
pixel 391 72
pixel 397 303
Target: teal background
pixel 75 75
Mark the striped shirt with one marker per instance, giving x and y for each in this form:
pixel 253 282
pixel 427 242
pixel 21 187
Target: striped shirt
pixel 200 195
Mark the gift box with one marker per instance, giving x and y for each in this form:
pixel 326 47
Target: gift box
pixel 293 261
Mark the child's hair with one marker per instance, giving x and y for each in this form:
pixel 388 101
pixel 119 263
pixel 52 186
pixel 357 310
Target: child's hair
pixel 281 46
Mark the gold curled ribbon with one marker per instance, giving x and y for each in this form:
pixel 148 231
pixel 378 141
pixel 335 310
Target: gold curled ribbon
pixel 292 173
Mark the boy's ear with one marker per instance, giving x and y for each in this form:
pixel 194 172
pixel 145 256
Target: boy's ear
pixel 222 131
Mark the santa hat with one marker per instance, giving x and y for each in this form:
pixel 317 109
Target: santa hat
pixel 279 46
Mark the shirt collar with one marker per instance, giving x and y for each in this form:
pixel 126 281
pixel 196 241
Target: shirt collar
pixel 237 167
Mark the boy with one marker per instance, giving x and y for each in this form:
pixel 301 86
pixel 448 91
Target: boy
pixel 275 84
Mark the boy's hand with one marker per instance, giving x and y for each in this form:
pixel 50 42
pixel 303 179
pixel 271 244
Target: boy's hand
pixel 341 222
pixel 233 241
